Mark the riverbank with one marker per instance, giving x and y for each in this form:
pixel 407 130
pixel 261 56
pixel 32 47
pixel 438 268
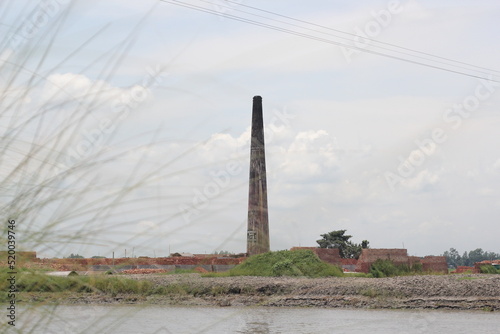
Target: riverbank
pixel 461 292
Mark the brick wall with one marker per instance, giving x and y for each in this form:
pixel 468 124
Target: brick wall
pixel 435 264
pixel 329 255
pixel 370 255
pixel 396 255
pixel 400 257
pixel 465 269
pixel 82 264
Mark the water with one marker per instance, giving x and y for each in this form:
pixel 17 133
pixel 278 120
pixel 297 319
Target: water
pixel 136 319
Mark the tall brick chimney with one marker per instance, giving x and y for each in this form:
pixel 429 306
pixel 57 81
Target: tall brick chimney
pixel 258 224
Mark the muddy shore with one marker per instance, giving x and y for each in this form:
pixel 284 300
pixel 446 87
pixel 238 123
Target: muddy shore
pixel 461 292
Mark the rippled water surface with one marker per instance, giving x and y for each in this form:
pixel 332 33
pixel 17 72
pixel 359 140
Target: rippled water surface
pixel 164 319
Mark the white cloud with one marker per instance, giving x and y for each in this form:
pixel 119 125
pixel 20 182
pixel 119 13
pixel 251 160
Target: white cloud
pixel 486 192
pixel 423 181
pixel 60 87
pixel 311 154
pixel 496 165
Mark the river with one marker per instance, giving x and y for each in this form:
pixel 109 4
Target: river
pixel 136 319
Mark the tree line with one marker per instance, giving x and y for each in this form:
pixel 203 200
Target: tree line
pixel 454 259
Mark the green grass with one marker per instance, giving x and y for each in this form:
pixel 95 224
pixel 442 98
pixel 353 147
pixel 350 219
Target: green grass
pixel 386 268
pixel 368 275
pixel 38 283
pixel 29 281
pixel 489 270
pixel 216 274
pixel 181 271
pixel 467 278
pixel 286 263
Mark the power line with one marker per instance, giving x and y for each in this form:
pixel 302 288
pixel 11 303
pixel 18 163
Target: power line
pixel 354 35
pixel 366 38
pixel 329 41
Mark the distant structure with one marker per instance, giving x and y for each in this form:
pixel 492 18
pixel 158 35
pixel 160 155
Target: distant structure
pixel 399 256
pixel 258 224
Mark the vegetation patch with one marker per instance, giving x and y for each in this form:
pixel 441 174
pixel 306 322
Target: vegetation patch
pixel 216 274
pixel 489 270
pixel 286 263
pixel 365 275
pixel 387 268
pixel 370 292
pixel 465 278
pixel 30 281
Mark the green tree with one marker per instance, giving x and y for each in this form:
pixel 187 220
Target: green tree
pixel 453 258
pixel 468 258
pixel 338 239
pixel 476 255
pixel 465 259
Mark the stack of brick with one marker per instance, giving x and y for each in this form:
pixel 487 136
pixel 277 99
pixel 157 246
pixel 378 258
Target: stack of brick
pixel 464 269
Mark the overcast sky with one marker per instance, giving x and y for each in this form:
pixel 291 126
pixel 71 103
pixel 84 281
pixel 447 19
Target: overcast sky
pixel 400 154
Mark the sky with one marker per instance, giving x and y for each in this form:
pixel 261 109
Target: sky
pixel 126 123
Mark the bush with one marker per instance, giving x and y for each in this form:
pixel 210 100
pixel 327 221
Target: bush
pixel 387 268
pixel 489 270
pixel 383 268
pixel 417 267
pixel 286 263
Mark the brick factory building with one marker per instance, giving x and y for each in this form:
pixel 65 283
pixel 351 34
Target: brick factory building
pixel 398 256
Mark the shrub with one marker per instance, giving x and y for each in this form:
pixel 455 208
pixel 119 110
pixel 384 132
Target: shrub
pixel 387 268
pixel 416 267
pixel 286 263
pixel 384 268
pixel 489 270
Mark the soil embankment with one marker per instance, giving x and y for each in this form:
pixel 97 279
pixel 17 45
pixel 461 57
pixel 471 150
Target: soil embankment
pixel 460 292
pixel 465 292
